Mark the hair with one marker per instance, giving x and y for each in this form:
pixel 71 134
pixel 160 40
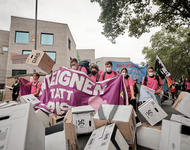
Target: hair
pixel 150 67
pixel 109 63
pixel 74 60
pixel 124 69
pixel 94 66
pixel 37 74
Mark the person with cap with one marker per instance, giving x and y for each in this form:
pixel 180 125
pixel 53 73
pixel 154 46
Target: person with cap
pixel 109 73
pixel 94 75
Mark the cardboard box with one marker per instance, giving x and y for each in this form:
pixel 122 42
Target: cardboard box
pixel 182 104
pixel 149 136
pixel 152 112
pixel 54 119
pixel 55 141
pixel 19 59
pixel 124 118
pixel 174 136
pixel 8 104
pixel 20 129
pixel 83 119
pixel 107 138
pixel 29 99
pixel 181 119
pixel 40 59
pixel 70 134
pixel 44 118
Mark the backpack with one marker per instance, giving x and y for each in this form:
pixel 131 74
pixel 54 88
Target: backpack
pixel 146 79
pixel 98 77
pixel 105 75
pixel 85 64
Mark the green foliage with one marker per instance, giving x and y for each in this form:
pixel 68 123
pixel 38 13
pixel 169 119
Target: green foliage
pixel 173 48
pixel 138 16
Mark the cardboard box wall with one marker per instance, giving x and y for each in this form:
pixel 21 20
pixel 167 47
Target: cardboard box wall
pixel 174 136
pixel 70 133
pixel 181 119
pixel 20 129
pixel 19 59
pixel 44 118
pixel 40 59
pixel 83 119
pixel 152 112
pixel 107 138
pixel 182 104
pixel 149 136
pixel 29 99
pixel 124 119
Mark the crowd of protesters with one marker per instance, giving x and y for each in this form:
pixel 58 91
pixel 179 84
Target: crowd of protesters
pixel 152 81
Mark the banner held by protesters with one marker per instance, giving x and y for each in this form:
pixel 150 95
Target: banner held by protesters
pixel 65 88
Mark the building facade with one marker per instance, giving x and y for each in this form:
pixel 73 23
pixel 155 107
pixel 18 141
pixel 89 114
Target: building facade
pixel 53 38
pixel 86 54
pixel 102 60
pixel 4 42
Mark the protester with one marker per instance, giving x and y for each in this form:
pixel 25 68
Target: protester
pixel 15 89
pixel 94 75
pixel 109 73
pixel 183 85
pixel 187 83
pixel 130 87
pixel 173 91
pixel 35 84
pixel 75 66
pixel 154 82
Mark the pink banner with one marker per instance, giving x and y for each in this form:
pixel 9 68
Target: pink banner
pixel 65 88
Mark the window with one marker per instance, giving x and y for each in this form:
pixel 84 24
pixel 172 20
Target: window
pixel 21 37
pixel 25 52
pixel 5 49
pixel 46 38
pixel 52 55
pixel 69 44
pixel 18 72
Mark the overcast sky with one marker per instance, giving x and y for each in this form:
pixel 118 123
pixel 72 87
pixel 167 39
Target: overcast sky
pixel 81 16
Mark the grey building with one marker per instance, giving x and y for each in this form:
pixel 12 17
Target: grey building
pixel 102 60
pixel 86 54
pixel 53 38
pixel 4 42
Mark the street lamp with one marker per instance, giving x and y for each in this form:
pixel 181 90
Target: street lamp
pixel 36 26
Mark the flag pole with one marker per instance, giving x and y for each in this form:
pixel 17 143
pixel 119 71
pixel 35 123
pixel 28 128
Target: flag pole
pixel 36 26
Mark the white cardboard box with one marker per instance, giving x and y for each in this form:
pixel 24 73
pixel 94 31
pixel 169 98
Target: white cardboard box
pixel 182 103
pixel 106 138
pixel 181 119
pixel 40 59
pixel 152 112
pixel 174 136
pixel 20 129
pixel 124 119
pixel 43 118
pixel 83 119
pixel 149 136
pixel 55 141
pixel 29 99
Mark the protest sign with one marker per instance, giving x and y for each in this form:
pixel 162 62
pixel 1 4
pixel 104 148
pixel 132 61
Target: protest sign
pixel 135 71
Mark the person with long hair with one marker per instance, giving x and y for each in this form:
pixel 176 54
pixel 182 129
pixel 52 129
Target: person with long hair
pixel 130 87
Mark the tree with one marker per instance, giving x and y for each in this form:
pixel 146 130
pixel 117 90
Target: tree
pixel 173 48
pixel 138 16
